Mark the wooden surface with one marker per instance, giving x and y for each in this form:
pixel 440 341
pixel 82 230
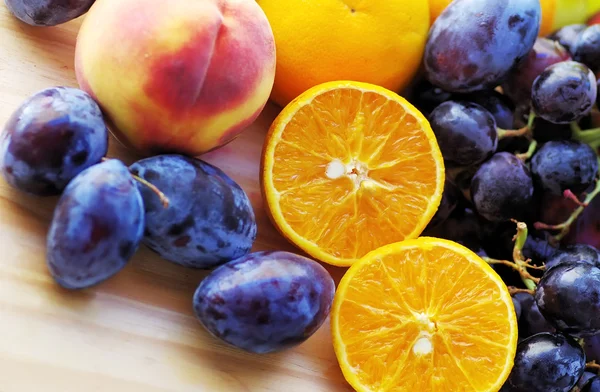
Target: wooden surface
pixel 137 331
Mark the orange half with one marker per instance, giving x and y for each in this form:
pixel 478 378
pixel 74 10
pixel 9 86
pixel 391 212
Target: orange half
pixel 348 167
pixel 424 315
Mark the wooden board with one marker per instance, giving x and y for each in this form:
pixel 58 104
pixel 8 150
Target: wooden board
pixel 137 331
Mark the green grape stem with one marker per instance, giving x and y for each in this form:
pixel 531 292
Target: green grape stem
pixel 519 263
pixel 590 136
pixel 530 151
pixel 592 366
pixel 514 290
pixel 529 280
pixel 571 196
pixel 565 227
pixel 527 131
pixel 506 133
pixel 530 120
pixel 520 239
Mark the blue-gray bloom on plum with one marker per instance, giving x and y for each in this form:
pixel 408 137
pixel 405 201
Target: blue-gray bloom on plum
pixel 209 220
pixel 48 12
pixel 265 301
pixel 53 136
pixel 97 226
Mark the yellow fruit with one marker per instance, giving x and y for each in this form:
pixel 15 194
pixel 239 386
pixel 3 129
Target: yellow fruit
pixel 567 12
pixel 424 315
pixel 548 17
pixel 317 41
pixel 349 167
pixel 436 7
pixel 593 7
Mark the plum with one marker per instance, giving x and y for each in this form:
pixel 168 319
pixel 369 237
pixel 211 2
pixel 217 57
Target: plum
pixel 209 220
pixel 48 12
pixel 55 135
pixel 97 226
pixel 265 301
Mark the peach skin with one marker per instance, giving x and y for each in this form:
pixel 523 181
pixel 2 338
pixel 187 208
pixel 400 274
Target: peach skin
pixel 183 76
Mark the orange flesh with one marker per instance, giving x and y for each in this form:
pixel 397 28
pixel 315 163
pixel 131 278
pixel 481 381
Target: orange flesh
pixel 387 179
pixel 433 295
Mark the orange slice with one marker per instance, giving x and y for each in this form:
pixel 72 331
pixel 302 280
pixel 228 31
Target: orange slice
pixel 424 315
pixel 349 167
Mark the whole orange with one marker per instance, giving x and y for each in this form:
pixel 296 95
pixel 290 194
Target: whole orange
pixel 317 41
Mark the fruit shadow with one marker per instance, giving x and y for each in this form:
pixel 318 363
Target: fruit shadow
pixel 161 284
pixel 41 208
pixel 309 366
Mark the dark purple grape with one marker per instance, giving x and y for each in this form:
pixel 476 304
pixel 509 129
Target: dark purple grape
pixel 502 189
pixel 545 52
pixel 517 306
pixel 564 92
pixel 565 165
pixel 54 135
pixel 498 242
pixel 466 133
pixel 568 35
pixel 545 131
pixel 568 296
pixel 461 226
pixel 450 199
pixel 48 12
pixel 579 253
pixel 97 226
pixel 499 105
pixel 266 301
pixel 498 238
pixel 531 321
pixel 555 209
pixel 546 363
pixel 586 229
pixel 538 248
pixel 591 347
pixel 587 48
pixel 209 220
pixel 592 385
pixel 474 44
pixel 479 251
pixel 462 176
pixel 426 97
pixel 584 379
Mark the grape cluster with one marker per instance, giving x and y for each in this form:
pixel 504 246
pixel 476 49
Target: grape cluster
pixel 515 124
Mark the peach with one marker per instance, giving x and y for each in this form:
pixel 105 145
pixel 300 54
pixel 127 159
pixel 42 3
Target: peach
pixel 183 76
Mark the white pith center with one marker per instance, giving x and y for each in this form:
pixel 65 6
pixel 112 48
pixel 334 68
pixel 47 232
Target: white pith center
pixel 355 170
pixel 335 169
pixel 424 345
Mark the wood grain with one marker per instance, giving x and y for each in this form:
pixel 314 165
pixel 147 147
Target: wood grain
pixel 135 332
